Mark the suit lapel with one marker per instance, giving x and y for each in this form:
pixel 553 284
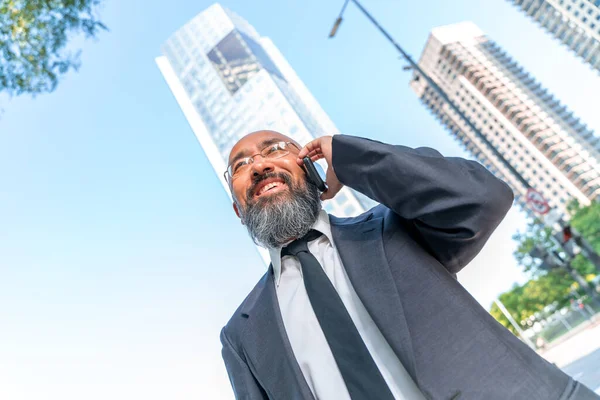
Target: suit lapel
pixel 360 245
pixel 267 346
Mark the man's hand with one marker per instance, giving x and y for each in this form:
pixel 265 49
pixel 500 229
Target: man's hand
pixel 316 150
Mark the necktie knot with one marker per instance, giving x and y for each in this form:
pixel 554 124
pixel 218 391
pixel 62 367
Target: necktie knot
pixel 300 245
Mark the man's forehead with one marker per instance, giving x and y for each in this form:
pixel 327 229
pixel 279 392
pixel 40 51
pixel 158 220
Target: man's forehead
pixel 252 141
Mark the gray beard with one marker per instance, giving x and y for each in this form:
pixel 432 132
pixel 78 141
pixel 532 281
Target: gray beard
pixel 278 218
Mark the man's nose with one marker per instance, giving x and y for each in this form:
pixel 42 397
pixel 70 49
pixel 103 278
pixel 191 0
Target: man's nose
pixel 261 166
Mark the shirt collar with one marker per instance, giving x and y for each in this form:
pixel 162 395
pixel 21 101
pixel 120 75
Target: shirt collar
pixel 321 224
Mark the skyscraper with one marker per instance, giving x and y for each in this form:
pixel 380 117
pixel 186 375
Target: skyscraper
pixel 576 23
pixel 230 81
pixel 556 153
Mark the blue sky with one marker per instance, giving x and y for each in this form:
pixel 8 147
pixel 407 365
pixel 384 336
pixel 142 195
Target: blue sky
pixel 120 255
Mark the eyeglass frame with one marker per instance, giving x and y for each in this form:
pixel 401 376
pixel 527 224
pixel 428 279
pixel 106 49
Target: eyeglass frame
pixel 226 172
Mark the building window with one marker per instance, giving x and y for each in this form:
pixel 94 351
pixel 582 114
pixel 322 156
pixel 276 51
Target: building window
pixel 585 52
pixel 237 58
pixel 570 40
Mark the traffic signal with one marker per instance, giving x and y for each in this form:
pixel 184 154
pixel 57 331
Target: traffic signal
pixel 566 234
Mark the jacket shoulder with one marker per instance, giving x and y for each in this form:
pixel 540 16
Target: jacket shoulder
pixel 379 211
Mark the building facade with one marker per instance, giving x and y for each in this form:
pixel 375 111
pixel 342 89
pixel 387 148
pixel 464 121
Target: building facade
pixel 230 81
pixel 554 151
pixel 576 23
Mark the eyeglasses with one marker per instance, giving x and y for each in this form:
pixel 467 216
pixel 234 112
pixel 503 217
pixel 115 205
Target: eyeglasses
pixel 272 151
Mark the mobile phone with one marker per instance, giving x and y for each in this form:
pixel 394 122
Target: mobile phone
pixel 315 174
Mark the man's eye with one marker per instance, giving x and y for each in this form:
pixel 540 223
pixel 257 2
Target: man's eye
pixel 239 165
pixel 276 148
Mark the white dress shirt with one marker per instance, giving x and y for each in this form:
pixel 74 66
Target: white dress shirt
pixel 304 332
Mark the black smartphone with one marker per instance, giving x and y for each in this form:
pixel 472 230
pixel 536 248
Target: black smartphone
pixel 315 174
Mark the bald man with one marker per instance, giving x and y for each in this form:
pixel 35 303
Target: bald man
pixel 369 308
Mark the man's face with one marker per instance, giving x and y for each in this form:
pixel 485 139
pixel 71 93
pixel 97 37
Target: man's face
pixel 272 195
pixel 266 180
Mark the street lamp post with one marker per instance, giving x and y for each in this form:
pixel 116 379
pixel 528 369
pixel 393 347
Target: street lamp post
pixel 589 252
pixel 338 21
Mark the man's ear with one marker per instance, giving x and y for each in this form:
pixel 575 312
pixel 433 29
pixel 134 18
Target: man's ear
pixel 237 211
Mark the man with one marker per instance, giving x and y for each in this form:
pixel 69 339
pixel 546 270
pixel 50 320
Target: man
pixel 369 307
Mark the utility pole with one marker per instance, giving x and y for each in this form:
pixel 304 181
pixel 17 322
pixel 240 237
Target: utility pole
pixel 587 250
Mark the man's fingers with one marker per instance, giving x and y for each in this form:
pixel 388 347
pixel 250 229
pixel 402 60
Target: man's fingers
pixel 316 149
pixel 331 192
pixel 326 195
pixel 310 147
pixel 314 153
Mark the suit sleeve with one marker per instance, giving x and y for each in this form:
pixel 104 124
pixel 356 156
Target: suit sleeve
pixel 454 204
pixel 244 384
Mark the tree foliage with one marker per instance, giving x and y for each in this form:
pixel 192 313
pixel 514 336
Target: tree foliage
pixel 587 222
pixel 535 235
pixel 524 301
pixel 33 41
pixel 554 286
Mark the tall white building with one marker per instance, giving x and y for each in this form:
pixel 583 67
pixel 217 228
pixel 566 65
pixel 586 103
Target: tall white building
pixel 576 23
pixel 230 81
pixel 557 154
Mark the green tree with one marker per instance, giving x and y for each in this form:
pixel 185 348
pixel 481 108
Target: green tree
pixel 554 286
pixel 33 41
pixel 524 301
pixel 535 235
pixel 586 220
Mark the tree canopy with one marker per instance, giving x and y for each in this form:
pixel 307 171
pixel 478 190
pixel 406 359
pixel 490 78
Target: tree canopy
pixel 556 285
pixel 34 36
pixel 532 297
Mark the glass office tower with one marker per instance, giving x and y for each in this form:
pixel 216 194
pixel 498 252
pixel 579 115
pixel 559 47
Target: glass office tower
pixel 230 81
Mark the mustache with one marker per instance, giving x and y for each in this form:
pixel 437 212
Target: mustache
pixel 284 177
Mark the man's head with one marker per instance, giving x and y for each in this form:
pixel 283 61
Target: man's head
pixel 271 194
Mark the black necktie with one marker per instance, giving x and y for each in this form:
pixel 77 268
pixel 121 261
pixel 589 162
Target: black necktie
pixel 359 371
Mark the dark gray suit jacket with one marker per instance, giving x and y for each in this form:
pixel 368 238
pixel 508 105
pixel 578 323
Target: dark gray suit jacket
pixel 402 257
